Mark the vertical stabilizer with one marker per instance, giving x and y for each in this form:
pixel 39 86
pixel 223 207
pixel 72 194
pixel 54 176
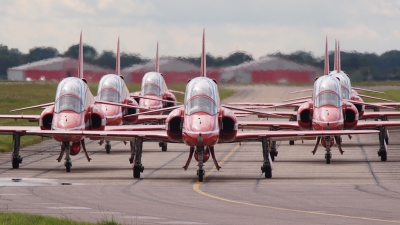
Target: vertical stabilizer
pixel 338 57
pixel 118 61
pixel 203 57
pixel 157 60
pixel 80 58
pixel 335 57
pixel 326 67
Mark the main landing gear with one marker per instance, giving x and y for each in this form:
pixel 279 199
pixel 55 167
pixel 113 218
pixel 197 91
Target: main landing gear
pixel 383 136
pixel 16 159
pixel 137 160
pixel 266 168
pixel 107 146
pixel 272 144
pixel 163 146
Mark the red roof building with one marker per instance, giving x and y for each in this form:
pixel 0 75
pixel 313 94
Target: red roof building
pixel 56 69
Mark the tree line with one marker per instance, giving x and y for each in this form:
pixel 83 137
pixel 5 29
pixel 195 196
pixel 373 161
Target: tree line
pixel 360 66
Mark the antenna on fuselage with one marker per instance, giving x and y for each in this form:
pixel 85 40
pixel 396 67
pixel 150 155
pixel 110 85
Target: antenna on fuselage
pixel 80 58
pixel 157 60
pixel 118 61
pixel 326 68
pixel 203 57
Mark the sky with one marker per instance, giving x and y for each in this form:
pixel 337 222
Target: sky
pixel 257 27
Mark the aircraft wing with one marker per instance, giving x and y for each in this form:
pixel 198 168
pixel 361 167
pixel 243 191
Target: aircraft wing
pixel 148 118
pixel 157 111
pixel 18 129
pixel 375 124
pixel 34 107
pixel 280 114
pixel 278 124
pixel 159 135
pixel 31 118
pixel 363 89
pixel 304 90
pixel 177 92
pixel 134 127
pixel 243 136
pixel 380 113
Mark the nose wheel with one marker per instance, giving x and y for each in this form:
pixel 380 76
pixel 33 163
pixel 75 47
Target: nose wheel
pixel 108 147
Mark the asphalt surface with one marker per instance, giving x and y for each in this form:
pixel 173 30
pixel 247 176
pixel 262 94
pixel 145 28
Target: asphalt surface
pixel 356 188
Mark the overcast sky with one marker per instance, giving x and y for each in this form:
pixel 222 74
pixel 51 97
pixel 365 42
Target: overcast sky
pixel 258 27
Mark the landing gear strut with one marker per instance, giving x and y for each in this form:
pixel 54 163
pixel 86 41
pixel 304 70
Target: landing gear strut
pixel 273 152
pixel 267 163
pixel 200 170
pixel 382 152
pixel 132 144
pixel 108 147
pixel 16 159
pixel 138 167
pixel 328 154
pixel 68 162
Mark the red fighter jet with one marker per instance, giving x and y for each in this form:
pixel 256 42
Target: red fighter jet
pixel 155 95
pixel 201 123
pixel 74 109
pixel 113 96
pixel 328 110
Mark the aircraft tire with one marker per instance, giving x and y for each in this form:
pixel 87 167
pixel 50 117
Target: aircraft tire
pixel 68 166
pixel 201 175
pixel 268 172
pixel 108 149
pixel 136 172
pixel 291 142
pixel 15 163
pixel 383 156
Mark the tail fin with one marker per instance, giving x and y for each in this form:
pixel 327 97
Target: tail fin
pixel 80 58
pixel 118 61
pixel 326 68
pixel 203 57
pixel 338 57
pixel 335 57
pixel 157 60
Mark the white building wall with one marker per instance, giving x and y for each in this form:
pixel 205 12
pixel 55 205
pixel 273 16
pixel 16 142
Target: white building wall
pixel 15 74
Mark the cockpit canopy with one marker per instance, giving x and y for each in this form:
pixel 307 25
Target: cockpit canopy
pixel 70 95
pixel 153 83
pixel 201 95
pixel 110 88
pixel 345 83
pixel 327 91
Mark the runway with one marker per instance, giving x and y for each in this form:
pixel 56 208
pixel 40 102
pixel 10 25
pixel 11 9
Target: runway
pixel 356 188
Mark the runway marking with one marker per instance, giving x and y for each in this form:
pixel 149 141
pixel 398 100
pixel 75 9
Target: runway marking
pixel 196 188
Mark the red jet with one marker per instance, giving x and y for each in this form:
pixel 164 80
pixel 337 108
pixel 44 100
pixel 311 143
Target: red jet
pixel 201 123
pixel 74 109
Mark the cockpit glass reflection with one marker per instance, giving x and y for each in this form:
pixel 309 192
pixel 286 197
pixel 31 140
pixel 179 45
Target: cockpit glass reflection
pixel 110 88
pixel 327 91
pixel 201 96
pixel 152 83
pixel 70 95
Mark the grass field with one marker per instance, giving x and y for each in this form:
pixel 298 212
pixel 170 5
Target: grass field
pixel 15 95
pixel 32 219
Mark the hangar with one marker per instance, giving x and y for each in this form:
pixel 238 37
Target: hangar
pixel 56 69
pixel 270 69
pixel 174 70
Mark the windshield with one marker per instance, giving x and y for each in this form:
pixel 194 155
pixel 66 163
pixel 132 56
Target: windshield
pixel 152 83
pixel 327 91
pixel 327 98
pixel 345 84
pixel 70 95
pixel 110 88
pixel 201 95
